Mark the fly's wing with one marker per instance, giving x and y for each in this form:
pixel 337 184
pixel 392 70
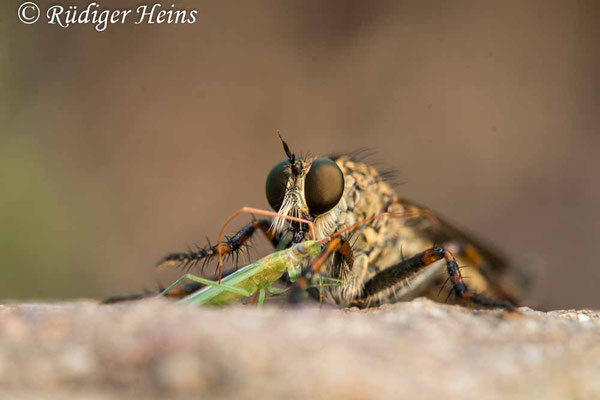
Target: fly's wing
pixel 503 280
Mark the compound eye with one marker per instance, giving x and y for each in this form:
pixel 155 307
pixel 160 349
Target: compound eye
pixel 276 184
pixel 323 186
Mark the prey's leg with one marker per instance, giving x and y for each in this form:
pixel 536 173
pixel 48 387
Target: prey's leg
pixel 171 292
pixel 258 297
pixel 390 277
pixel 207 282
pixel 261 297
pixel 274 290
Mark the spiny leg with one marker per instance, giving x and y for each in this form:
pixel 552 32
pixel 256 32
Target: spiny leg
pixel 181 292
pixel 230 247
pixel 504 279
pixel 174 293
pixel 395 274
pixel 129 297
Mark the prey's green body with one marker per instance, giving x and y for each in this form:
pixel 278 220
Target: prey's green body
pixel 253 278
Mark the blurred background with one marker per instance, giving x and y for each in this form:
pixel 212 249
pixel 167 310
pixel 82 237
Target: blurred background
pixel 117 147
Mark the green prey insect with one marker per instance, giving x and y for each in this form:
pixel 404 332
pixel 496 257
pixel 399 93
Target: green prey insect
pixel 256 277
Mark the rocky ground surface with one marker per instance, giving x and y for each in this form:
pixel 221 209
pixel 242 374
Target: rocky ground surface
pixel 418 350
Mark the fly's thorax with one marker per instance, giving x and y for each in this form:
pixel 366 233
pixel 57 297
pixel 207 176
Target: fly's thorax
pixel 366 194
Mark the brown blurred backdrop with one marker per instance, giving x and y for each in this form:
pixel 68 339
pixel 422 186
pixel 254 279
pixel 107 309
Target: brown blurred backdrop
pixel 119 146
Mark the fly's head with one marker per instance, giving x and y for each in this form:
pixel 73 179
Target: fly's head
pixel 308 188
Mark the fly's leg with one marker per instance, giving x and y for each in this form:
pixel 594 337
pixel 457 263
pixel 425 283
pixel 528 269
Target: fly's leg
pixel 129 297
pixel 398 273
pixel 505 280
pixel 231 246
pixel 182 292
pixel 175 293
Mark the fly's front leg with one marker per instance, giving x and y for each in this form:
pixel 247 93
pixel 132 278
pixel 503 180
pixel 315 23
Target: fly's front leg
pixel 392 276
pixel 231 246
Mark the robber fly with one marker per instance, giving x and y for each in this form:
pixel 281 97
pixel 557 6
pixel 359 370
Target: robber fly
pixel 387 260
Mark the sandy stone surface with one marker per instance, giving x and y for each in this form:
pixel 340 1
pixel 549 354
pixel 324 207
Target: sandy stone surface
pixel 418 350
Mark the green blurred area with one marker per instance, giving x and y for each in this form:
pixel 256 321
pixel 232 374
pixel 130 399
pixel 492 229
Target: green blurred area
pixel 35 226
pixel 44 246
